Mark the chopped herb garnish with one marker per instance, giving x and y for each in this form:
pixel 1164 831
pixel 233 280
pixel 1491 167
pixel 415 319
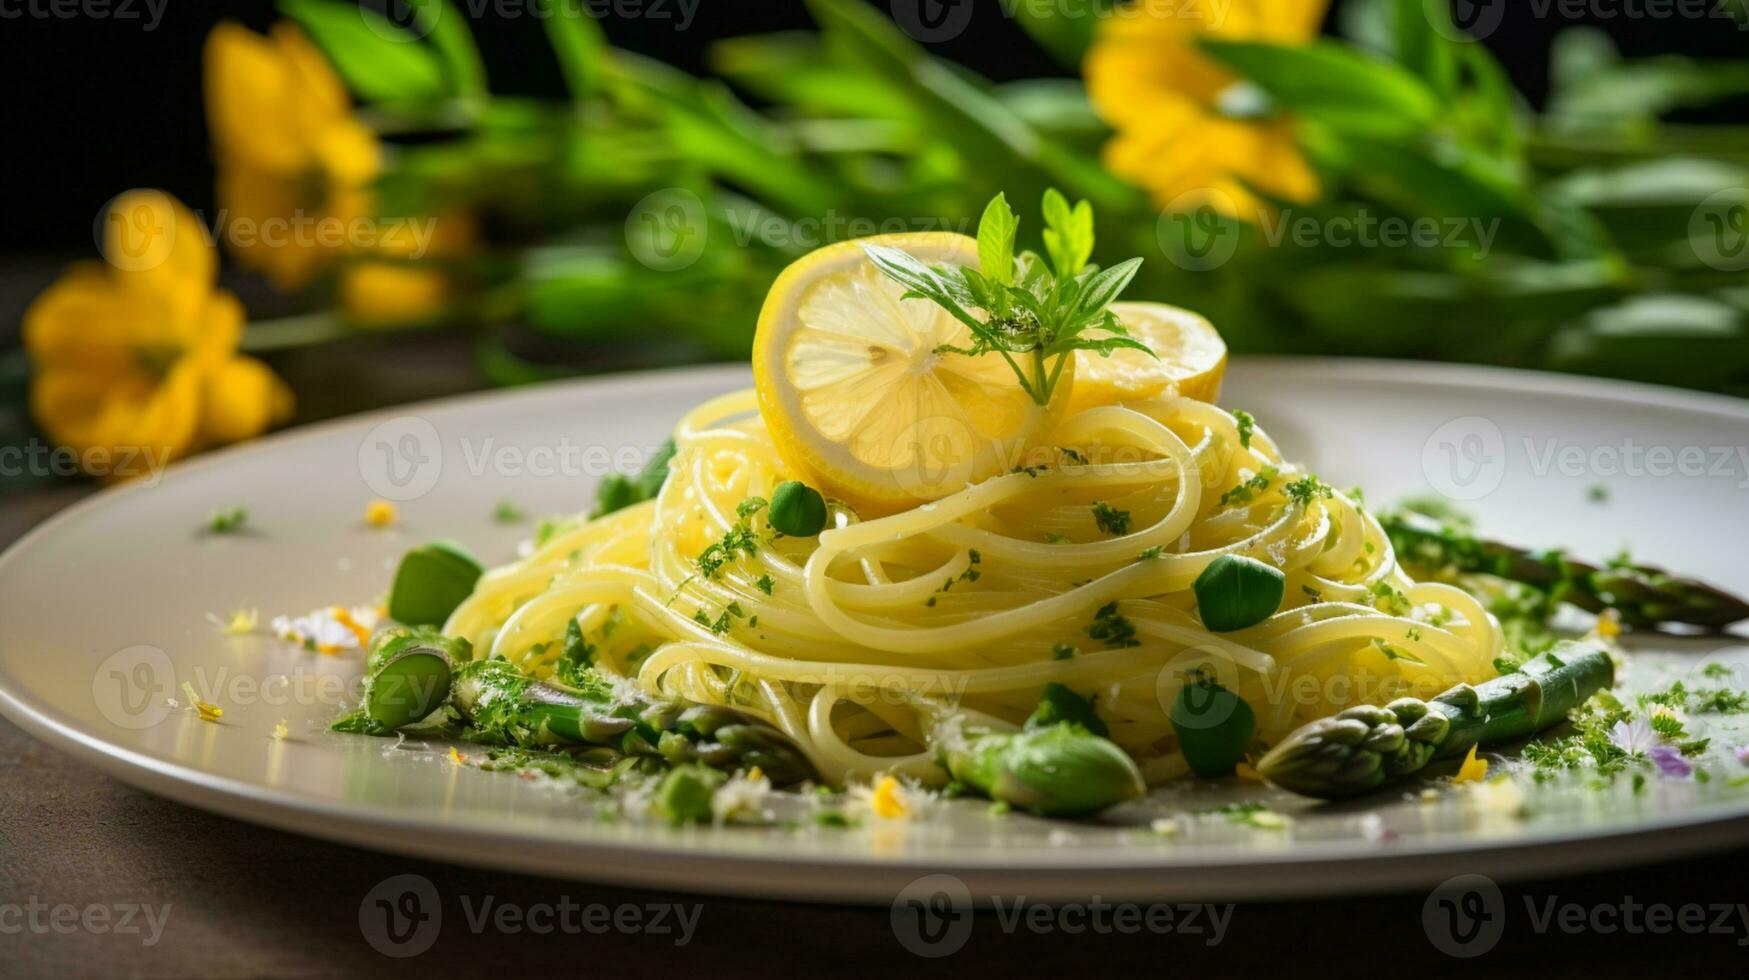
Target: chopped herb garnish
pixel 765 584
pixel 1246 492
pixel 227 521
pixel 1306 489
pixel 1112 627
pixel 1394 653
pixel 1388 599
pixel 1110 519
pixel 747 508
pixel 1051 537
pixel 507 513
pixel 1149 554
pixel 1247 425
pixel 1062 651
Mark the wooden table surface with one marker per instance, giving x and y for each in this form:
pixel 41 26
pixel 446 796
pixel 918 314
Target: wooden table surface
pixel 235 900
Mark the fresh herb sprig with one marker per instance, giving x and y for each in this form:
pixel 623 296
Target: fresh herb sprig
pixel 1036 313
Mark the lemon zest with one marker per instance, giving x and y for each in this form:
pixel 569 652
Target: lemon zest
pixel 207 710
pixel 379 513
pixel 240 623
pixel 888 800
pixel 1473 770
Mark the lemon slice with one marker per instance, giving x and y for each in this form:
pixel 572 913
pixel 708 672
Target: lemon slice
pixel 856 397
pixel 1191 359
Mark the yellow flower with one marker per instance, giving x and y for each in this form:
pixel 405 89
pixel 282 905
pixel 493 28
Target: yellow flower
pixel 294 164
pixel 138 360
pixel 1187 128
pixel 405 287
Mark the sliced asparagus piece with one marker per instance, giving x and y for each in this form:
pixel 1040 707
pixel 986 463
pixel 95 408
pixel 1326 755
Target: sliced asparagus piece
pixel 1366 747
pixel 1644 595
pixel 501 703
pixel 408 674
pixel 1061 770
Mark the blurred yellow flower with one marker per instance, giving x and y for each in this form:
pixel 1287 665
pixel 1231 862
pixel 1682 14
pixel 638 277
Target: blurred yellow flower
pixel 138 359
pixel 405 287
pixel 1187 129
pixel 294 165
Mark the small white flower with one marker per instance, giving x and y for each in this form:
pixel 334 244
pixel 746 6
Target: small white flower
pixel 1634 738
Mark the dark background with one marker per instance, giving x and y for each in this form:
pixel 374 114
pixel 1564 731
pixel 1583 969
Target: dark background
pixel 94 106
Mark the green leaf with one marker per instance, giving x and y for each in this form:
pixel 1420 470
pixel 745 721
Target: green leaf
pixel 578 43
pixel 1068 233
pixel 1419 47
pixel 1106 285
pixel 447 27
pixel 709 127
pixel 926 283
pixel 431 582
pixel 795 70
pixel 1668 338
pixel 996 230
pixel 1338 85
pixel 1593 88
pixel 998 150
pixel 379 61
pixel 1235 592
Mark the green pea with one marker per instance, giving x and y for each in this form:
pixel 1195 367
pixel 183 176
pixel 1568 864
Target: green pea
pixel 1234 592
pixel 1214 726
pixel 431 582
pixel 1059 704
pixel 797 509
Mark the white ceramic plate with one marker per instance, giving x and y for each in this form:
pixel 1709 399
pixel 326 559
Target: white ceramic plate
pixel 105 616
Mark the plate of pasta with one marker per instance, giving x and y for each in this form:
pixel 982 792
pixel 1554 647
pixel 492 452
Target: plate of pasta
pixel 980 571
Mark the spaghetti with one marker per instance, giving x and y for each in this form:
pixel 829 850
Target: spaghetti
pixel 863 643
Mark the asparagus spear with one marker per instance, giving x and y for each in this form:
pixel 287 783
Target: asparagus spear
pixel 1366 747
pixel 1061 770
pixel 1059 765
pixel 1644 595
pixel 503 704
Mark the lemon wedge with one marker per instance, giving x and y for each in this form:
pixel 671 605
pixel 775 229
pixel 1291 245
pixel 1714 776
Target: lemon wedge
pixel 1190 359
pixel 856 396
